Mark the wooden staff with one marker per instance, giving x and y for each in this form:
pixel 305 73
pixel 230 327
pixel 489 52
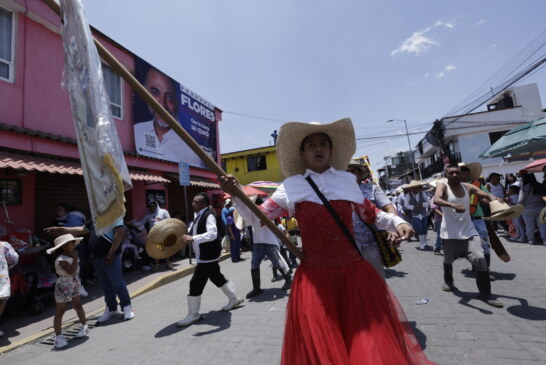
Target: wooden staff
pixel 175 126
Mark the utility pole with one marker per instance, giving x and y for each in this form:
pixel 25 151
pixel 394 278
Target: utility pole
pixel 409 145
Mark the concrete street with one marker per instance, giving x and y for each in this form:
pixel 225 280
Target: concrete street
pixel 454 328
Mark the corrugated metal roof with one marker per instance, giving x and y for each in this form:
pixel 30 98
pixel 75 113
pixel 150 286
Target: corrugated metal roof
pixel 57 166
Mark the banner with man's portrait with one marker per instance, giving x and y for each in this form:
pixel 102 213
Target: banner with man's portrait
pixel 154 137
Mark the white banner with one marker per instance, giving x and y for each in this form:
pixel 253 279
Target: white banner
pixel 104 169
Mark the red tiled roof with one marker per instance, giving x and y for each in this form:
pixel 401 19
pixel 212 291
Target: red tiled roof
pixel 56 166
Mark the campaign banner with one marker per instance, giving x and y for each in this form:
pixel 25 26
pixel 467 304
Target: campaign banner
pixel 154 137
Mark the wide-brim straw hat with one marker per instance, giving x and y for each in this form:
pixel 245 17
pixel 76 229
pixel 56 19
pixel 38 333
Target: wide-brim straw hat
pixel 501 211
pixel 415 184
pixel 292 134
pixel 165 238
pixel 62 240
pixel 542 216
pixel 434 183
pixel 475 170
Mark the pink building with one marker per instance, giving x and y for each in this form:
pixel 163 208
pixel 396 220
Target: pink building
pixel 39 165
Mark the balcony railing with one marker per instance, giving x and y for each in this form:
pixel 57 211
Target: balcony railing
pixel 438 166
pixel 274 175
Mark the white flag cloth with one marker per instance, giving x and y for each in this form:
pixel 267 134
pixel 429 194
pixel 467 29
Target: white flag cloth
pixel 104 169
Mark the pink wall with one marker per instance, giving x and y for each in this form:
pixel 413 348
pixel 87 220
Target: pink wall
pixel 21 215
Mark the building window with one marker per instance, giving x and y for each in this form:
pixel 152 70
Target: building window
pixel 495 136
pixel 7 32
pixel 10 192
pixel 113 88
pixel 256 163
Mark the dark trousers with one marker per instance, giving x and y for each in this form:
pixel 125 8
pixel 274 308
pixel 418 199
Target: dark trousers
pixel 203 272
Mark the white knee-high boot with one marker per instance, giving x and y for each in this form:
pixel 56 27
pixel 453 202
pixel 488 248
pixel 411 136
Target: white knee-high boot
pixel 194 303
pixel 229 290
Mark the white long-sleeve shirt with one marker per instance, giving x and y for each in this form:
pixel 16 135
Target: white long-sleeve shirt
pixel 334 184
pixel 210 234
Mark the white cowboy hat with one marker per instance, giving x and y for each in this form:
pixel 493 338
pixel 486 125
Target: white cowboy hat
pixel 501 211
pixel 542 216
pixel 292 134
pixel 165 238
pixel 61 240
pixel 475 170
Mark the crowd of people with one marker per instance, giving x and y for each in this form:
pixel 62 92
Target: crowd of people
pixel 521 189
pixel 332 212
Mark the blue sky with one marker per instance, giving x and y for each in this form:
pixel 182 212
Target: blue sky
pixel 268 62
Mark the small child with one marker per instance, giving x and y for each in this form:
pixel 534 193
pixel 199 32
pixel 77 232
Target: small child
pixel 67 286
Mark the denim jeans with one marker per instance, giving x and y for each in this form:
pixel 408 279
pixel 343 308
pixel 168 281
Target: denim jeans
pixel 420 225
pixel 260 250
pixel 438 244
pixel 531 219
pixel 479 224
pixel 112 282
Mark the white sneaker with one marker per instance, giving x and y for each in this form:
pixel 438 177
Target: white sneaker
pixel 60 342
pixel 107 315
pixel 128 312
pixel 84 330
pixel 83 292
pixel 127 264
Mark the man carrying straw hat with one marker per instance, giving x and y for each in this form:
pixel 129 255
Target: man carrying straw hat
pixel 417 202
pixel 459 236
pixel 203 235
pixel 340 310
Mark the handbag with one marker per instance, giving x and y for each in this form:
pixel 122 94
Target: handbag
pixel 389 253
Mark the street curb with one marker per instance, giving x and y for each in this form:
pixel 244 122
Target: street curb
pixel 157 283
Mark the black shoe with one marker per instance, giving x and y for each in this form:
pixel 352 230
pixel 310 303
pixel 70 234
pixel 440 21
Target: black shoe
pixel 438 252
pixel 253 293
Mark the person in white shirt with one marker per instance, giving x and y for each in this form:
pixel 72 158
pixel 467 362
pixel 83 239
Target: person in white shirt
pixel 203 236
pixel 155 214
pixel 155 138
pixel 265 244
pixel 417 202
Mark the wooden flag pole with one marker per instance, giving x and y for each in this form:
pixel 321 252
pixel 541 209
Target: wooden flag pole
pixel 175 126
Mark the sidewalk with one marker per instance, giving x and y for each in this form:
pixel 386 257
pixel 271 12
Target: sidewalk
pixel 22 327
pixel 453 328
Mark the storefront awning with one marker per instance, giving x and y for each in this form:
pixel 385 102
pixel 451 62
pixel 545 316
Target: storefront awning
pixel 19 161
pixel 204 183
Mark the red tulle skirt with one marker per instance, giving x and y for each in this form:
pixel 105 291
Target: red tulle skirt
pixel 346 316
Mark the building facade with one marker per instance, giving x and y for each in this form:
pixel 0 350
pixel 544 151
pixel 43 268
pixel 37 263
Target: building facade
pixel 39 159
pixel 257 164
pixel 465 137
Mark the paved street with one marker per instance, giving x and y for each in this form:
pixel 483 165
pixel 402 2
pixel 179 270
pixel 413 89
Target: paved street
pixel 454 328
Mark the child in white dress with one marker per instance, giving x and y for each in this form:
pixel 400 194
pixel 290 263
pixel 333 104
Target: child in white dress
pixel 67 286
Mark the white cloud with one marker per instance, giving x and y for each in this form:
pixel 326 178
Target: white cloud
pixel 449 68
pixel 418 43
pixel 493 46
pixel 480 22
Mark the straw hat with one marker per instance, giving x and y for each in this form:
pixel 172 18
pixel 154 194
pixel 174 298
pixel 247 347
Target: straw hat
pixel 415 184
pixel 165 238
pixel 292 134
pixel 501 211
pixel 61 240
pixel 357 164
pixel 475 169
pixel 434 183
pixel 542 216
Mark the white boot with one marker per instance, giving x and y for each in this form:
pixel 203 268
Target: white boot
pixel 234 301
pixel 422 241
pixel 194 303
